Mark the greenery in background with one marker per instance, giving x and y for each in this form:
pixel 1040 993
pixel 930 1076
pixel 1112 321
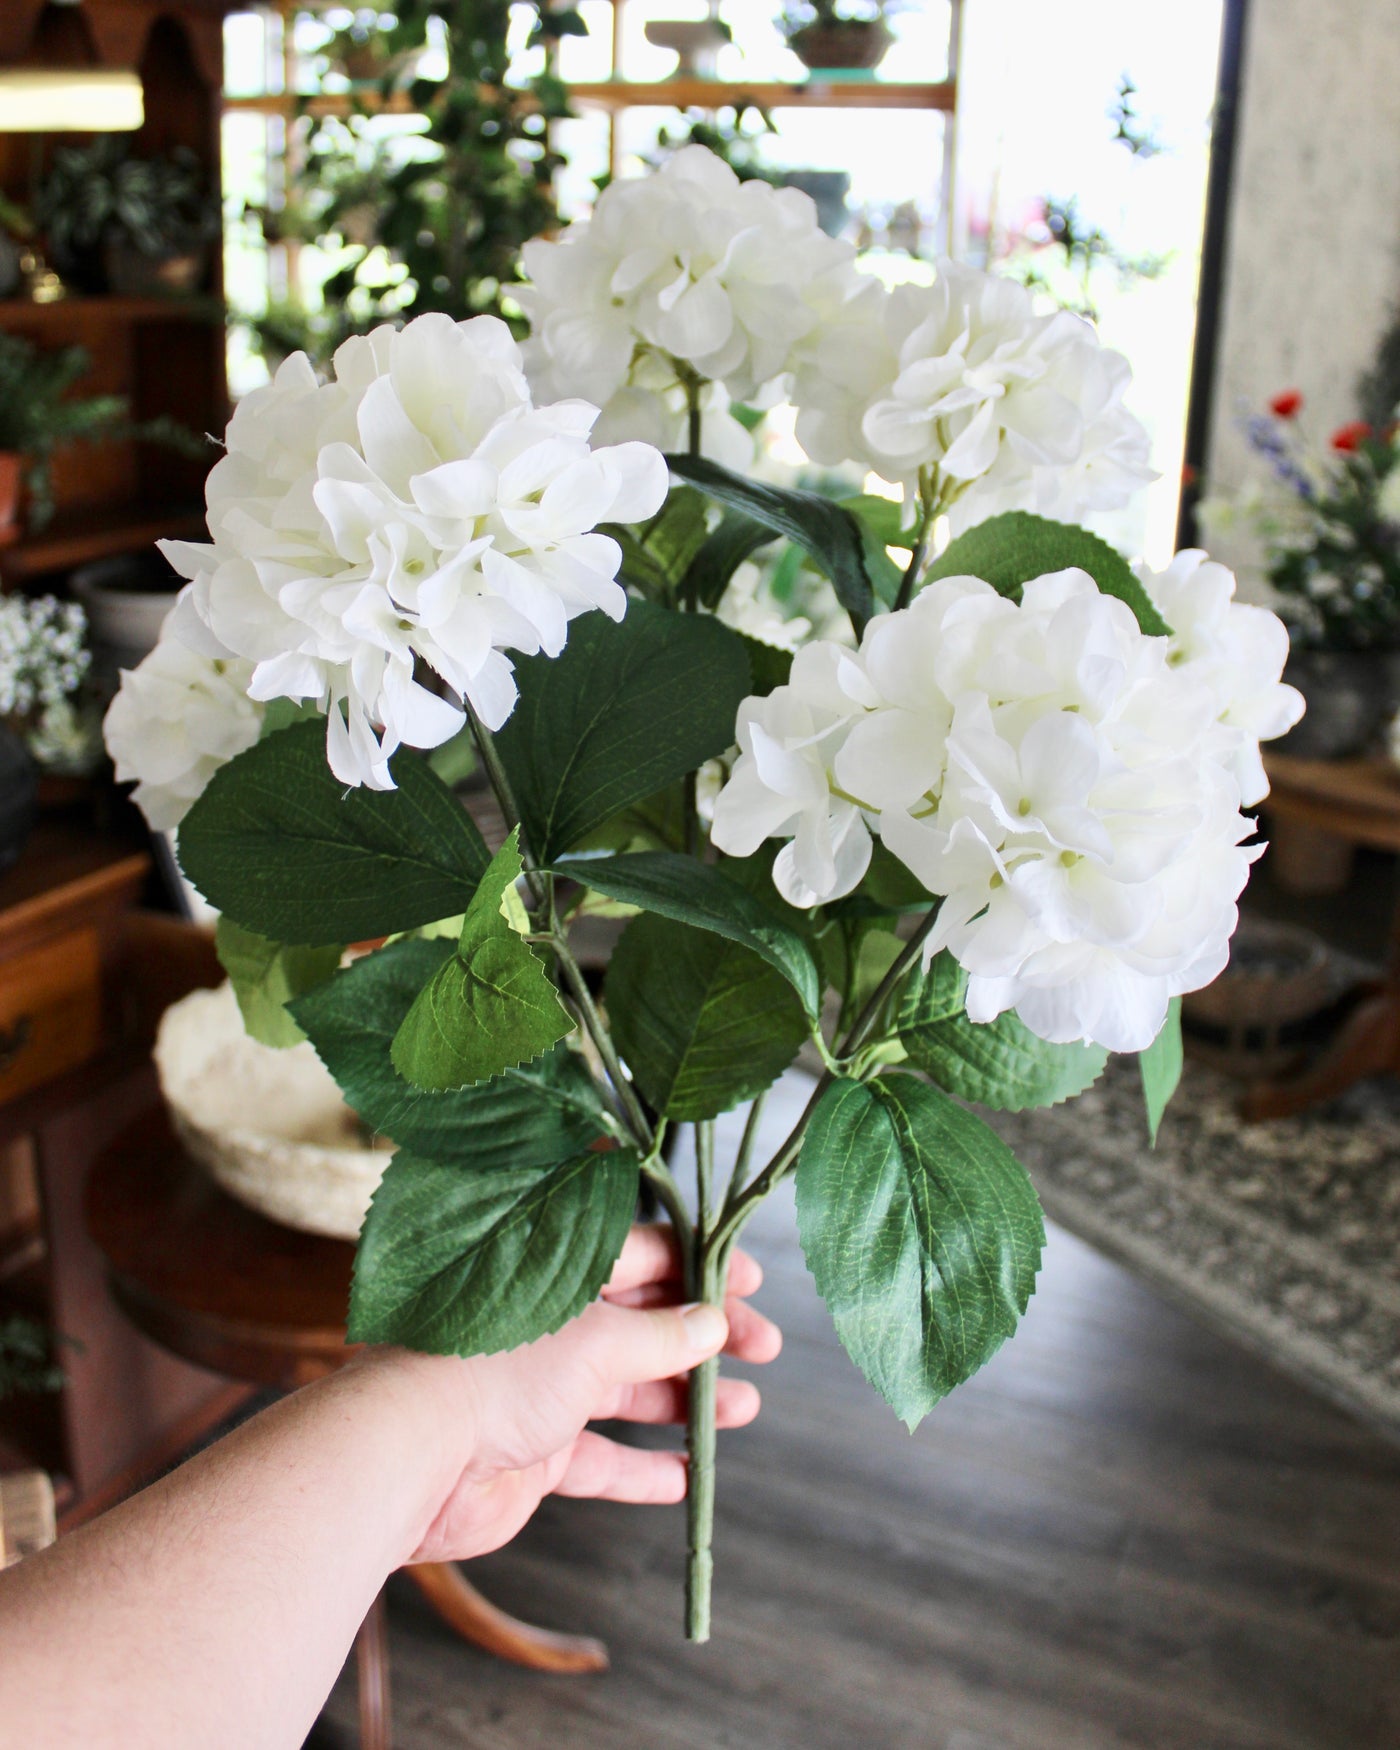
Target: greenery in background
pixel 725 133
pixel 1079 251
pixel 435 223
pixel 38 416
pixel 27 1366
pixel 797 15
pixel 102 193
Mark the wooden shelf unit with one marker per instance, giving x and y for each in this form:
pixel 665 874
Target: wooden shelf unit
pixel 164 356
pixel 818 92
pixel 76 537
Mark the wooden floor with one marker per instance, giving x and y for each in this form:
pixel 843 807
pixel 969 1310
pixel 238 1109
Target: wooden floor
pixel 1124 1532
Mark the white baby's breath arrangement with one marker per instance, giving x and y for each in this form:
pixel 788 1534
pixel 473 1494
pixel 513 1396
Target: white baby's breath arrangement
pixel 964 853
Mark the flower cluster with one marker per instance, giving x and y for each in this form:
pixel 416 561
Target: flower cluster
pixel 179 715
pixel 1067 786
pixel 958 391
pixel 687 275
pixel 961 393
pixel 416 510
pixel 1328 519
pixel 43 653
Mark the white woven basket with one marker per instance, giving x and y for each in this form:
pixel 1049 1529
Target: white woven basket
pixel 303 1164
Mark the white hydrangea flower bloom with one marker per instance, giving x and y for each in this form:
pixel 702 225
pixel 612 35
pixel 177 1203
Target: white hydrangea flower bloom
pixel 782 785
pixel 687 269
pixel 416 509
pixel 1235 649
pixel 178 716
pixel 1044 767
pixel 1015 411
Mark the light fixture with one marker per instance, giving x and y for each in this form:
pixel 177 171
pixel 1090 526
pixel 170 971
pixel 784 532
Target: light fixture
pixel 64 100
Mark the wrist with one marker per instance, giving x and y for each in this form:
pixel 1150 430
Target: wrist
pixel 425 1416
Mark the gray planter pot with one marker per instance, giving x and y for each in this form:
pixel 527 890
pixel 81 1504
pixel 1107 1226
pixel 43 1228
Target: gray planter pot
pixel 1350 694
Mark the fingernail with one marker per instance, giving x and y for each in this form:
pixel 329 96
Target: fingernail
pixel 705 1326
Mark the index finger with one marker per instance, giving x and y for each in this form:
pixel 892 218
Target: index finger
pixel 652 1255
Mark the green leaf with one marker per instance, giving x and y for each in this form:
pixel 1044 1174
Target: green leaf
pixel 692 892
pixel 1008 550
pixel 462 1262
pixel 883 517
pixel 922 1231
pixel 998 1063
pixel 769 667
pixel 856 955
pixel 283 713
pixel 1161 1066
pixel 625 710
pixel 657 555
pixel 282 847
pixel 702 1023
pixel 737 537
pixel 266 976
pixel 832 536
pixel 541 1113
pixel 491 1006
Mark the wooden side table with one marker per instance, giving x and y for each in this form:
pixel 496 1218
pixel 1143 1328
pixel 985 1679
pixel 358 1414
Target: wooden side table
pixel 219 1285
pixel 1357 801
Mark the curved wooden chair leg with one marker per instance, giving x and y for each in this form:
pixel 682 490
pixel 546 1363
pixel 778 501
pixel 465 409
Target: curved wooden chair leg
pixel 1367 1045
pixel 372 1670
pixel 462 1608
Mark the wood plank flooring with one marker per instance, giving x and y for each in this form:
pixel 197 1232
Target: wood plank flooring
pixel 1124 1534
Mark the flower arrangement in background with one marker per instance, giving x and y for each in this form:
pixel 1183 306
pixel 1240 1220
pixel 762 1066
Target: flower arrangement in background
pixel 1329 521
pixel 962 852
pixel 44 660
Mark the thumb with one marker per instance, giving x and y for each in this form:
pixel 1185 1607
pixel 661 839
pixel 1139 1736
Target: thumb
pixel 628 1347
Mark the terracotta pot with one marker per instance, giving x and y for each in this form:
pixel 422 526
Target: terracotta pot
pixel 130 274
pixel 11 496
pixel 859 43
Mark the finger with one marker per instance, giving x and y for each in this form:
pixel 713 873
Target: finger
pixel 751 1336
pixel 624 1347
pixel 666 1400
pixel 602 1470
pixel 651 1257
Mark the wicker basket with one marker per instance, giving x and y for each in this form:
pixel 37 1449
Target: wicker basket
pixel 1254 1020
pixel 305 1163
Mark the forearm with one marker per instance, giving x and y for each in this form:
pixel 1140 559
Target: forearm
pixel 217 1607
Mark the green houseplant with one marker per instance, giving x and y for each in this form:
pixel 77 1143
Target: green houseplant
pixel 837 35
pixel 132 225
pixel 39 416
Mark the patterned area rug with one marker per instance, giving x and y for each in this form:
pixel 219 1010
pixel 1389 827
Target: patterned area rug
pixel 1285 1235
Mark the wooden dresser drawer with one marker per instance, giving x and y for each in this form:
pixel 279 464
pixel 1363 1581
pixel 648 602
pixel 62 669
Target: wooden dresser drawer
pixel 50 1010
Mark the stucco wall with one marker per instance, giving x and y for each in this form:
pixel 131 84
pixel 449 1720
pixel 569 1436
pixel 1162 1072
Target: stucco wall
pixel 1313 254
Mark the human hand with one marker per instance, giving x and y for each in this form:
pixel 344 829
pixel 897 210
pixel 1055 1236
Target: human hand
pixel 512 1428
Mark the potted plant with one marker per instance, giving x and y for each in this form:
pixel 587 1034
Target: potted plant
pixel 38 416
pixel 136 226
pixel 43 662
pixel 837 34
pixel 1329 520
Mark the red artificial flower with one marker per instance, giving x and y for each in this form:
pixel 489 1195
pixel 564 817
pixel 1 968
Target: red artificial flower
pixel 1287 403
pixel 1351 436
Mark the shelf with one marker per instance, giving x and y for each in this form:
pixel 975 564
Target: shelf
pixel 76 537
pixel 833 91
pixel 814 93
pixel 110 307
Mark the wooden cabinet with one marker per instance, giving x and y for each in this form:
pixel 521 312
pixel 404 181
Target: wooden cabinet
pixel 83 977
pixel 165 356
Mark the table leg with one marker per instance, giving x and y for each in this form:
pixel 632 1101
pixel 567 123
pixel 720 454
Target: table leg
pixel 372 1670
pixel 462 1607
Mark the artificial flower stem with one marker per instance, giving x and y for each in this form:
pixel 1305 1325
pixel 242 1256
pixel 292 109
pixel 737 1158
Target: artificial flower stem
pixel 505 796
pixel 700 1450
pixel 597 1031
